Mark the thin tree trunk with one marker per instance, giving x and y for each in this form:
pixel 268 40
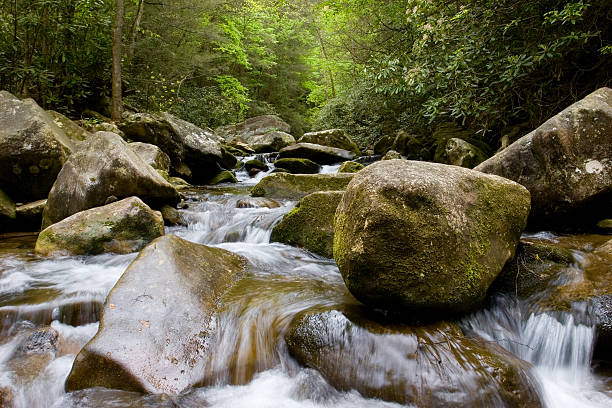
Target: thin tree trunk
pixel 134 31
pixel 116 77
pixel 324 53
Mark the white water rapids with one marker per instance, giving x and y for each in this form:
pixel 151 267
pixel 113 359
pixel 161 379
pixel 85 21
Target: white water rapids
pixel 66 293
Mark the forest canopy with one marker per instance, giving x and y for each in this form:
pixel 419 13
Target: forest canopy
pixel 370 66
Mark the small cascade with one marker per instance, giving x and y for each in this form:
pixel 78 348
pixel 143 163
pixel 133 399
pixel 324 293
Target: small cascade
pixel 243 175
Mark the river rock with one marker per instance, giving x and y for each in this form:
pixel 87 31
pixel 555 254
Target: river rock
pixel 605 225
pixel 271 141
pixel 566 164
pixel 101 167
pixel 383 145
pixel 8 212
pixel 534 265
pixel 253 126
pixel 426 366
pixel 159 320
pixel 333 138
pixel 171 216
pixel 122 227
pixel 298 166
pixel 296 186
pixel 223 177
pixel 33 149
pixel 412 147
pixel 256 164
pixel 424 237
pixel 392 155
pixel 350 167
pixel 185 143
pixel 152 155
pixel 29 216
pixel 71 129
pixel 315 152
pixel 310 224
pixel 458 152
pixel 602 308
pixel 257 202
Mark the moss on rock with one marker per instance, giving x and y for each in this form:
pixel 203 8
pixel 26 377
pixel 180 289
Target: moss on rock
pixel 298 166
pixel 296 186
pixel 310 224
pixel 350 167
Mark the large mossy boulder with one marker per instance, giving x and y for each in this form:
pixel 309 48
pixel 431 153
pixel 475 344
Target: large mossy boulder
pixel 152 155
pixel 296 186
pixel 310 224
pixel 257 125
pixel 71 129
pixel 337 138
pixel 185 143
pixel 566 164
pixel 298 166
pixel 33 149
pixel 424 237
pixel 423 366
pixel 101 167
pixel 315 152
pixel 121 227
pixel 159 320
pixel 270 141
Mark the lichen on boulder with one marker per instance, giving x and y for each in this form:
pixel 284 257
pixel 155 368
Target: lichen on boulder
pixel 296 186
pixel 121 227
pixel 424 237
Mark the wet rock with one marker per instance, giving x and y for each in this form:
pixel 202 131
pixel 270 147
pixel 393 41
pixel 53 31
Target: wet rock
pixel 75 132
pixel 424 237
pixel 29 216
pixel 317 153
pixel 350 167
pixel 42 341
pixel 152 155
pixel 337 138
pixel 185 144
pixel 256 164
pixel 257 202
pixel 392 155
pixel 102 166
pixel 310 224
pixel 458 152
pixel 605 225
pixel 34 354
pixel 253 126
pixel 531 269
pixel 296 186
pixel 159 320
pixel 565 164
pixel 424 366
pixel 33 149
pixel 171 216
pixel 121 227
pixel 178 183
pixel 443 133
pixel 271 141
pixel 223 177
pixel 7 397
pixel 8 212
pixel 298 166
pixel 602 308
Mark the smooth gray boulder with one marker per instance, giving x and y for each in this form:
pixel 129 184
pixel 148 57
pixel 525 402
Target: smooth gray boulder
pixel 101 167
pixel 271 141
pixel 152 155
pixel 566 164
pixel 426 238
pixel 158 321
pixel 185 143
pixel 33 149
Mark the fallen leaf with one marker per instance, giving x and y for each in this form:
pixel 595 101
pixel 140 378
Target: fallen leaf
pixel 111 306
pixel 145 323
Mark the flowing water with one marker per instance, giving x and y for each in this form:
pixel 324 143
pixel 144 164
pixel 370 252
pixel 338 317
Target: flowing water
pixel 250 365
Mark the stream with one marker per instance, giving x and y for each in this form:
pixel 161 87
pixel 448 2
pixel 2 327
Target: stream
pixel 251 366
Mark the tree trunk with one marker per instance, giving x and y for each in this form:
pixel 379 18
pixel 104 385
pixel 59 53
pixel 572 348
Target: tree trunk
pixel 324 54
pixel 134 31
pixel 116 77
